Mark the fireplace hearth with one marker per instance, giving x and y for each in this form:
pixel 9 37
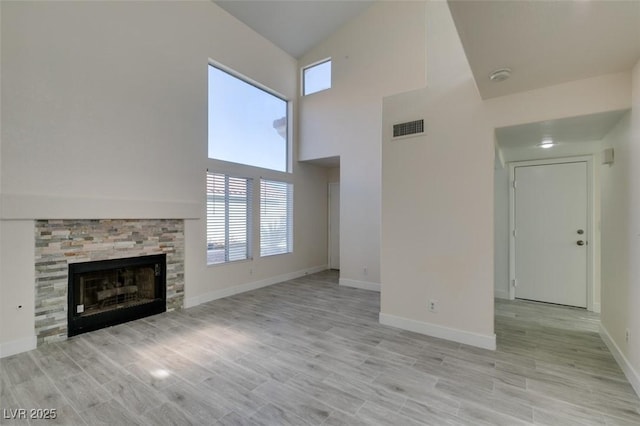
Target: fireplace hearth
pixel 109 292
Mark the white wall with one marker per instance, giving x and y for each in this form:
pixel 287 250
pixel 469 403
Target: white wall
pixel 501 232
pixel 634 229
pixel 437 199
pixel 580 97
pixel 105 116
pixel 379 53
pixel 616 187
pixel 452 166
pixel 621 240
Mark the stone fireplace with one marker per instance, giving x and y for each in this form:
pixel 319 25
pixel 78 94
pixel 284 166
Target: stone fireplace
pixel 64 246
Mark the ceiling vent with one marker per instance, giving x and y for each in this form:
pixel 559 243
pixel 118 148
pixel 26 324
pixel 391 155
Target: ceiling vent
pixel 410 128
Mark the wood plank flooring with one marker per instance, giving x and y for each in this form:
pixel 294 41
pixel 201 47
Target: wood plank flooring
pixel 307 351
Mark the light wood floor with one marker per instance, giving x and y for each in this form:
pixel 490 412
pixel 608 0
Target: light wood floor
pixel 307 351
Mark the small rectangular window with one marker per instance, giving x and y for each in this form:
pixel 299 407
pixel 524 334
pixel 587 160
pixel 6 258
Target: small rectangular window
pixel 229 216
pixel 276 217
pixel 316 77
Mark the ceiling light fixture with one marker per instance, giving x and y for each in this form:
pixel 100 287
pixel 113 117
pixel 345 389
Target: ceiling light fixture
pixel 500 75
pixel 547 142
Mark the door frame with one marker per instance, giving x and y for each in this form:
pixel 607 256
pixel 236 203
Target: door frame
pixel 591 209
pixel 331 186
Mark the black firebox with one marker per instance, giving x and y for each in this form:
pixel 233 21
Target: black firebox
pixel 110 292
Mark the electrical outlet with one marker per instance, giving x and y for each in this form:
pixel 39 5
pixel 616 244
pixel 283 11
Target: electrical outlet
pixel 626 335
pixel 433 305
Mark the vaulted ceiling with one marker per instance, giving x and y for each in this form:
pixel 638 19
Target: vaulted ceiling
pixel 294 26
pixel 544 43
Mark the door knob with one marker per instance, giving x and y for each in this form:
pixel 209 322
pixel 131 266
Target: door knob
pixel 580 231
pixel 580 243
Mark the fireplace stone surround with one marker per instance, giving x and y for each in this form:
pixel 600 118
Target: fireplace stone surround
pixel 61 242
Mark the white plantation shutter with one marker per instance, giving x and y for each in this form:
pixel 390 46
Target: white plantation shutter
pixel 276 217
pixel 229 215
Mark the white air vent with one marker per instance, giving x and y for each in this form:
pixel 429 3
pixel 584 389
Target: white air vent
pixel 410 128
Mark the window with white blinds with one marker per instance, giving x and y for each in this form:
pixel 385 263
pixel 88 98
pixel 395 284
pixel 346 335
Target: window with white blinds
pixel 229 216
pixel 276 217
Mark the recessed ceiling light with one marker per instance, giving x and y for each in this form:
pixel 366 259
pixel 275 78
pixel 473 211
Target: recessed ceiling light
pixel 546 143
pixel 500 75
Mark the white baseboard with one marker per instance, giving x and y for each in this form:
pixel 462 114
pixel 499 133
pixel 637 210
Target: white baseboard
pixel 364 285
pixel 622 360
pixel 17 346
pixel 227 292
pixel 468 338
pixel 501 294
pixel 596 308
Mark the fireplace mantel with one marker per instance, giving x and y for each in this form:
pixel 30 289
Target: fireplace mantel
pixel 38 206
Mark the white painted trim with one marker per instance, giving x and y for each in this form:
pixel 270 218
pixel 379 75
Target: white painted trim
pixel 330 200
pixel 596 308
pixel 591 261
pixel 305 67
pixel 242 288
pixel 232 72
pixel 512 225
pixel 499 156
pixel 461 336
pixel 501 294
pixel 631 374
pixel 17 346
pixel 364 285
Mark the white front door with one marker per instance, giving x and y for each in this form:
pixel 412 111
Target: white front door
pixel 550 233
pixel 334 226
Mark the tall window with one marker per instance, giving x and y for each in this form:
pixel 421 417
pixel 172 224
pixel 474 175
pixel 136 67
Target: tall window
pixel 247 125
pixel 276 217
pixel 316 77
pixel 228 218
